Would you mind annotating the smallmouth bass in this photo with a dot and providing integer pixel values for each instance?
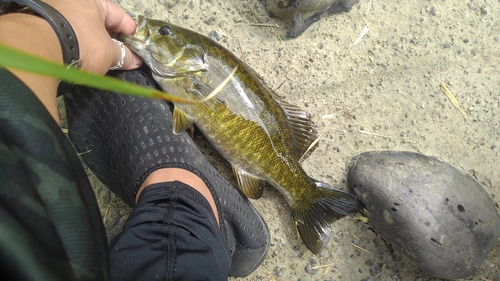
(262, 136)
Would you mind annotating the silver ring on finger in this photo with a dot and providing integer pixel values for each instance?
(122, 59)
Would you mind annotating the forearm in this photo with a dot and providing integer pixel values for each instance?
(94, 22)
(34, 35)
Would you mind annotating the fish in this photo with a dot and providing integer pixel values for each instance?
(262, 136)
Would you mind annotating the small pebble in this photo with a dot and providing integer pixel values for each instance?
(263, 19)
(210, 20)
(311, 270)
(278, 271)
(395, 276)
(433, 11)
(447, 45)
(376, 270)
(215, 35)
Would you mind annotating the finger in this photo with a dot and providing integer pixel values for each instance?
(116, 20)
(132, 60)
(124, 59)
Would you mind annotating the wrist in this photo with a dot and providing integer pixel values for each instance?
(62, 28)
(34, 35)
(31, 34)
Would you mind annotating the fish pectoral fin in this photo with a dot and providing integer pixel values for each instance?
(302, 128)
(202, 90)
(205, 91)
(250, 185)
(182, 121)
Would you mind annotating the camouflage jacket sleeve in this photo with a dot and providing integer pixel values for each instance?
(50, 225)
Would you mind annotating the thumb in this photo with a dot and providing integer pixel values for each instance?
(124, 58)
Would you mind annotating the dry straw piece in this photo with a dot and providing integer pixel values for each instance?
(454, 101)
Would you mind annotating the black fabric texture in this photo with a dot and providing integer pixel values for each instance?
(50, 224)
(170, 235)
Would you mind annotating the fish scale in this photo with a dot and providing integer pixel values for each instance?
(262, 136)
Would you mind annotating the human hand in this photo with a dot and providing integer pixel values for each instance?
(95, 22)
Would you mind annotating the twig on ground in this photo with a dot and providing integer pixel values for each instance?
(369, 6)
(320, 266)
(265, 24)
(361, 34)
(328, 269)
(258, 45)
(372, 134)
(358, 247)
(453, 100)
(106, 213)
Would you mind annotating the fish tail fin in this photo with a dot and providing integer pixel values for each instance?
(313, 223)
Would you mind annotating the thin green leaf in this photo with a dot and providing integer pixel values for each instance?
(16, 59)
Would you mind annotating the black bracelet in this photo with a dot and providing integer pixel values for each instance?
(64, 31)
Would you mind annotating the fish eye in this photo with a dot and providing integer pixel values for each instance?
(165, 30)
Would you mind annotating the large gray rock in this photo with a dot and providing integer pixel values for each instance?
(434, 214)
(305, 12)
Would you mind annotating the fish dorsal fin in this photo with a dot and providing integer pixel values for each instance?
(250, 185)
(182, 121)
(302, 128)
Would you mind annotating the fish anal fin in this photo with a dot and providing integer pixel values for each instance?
(313, 222)
(181, 120)
(250, 185)
(303, 130)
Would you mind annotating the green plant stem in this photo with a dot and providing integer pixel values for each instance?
(13, 58)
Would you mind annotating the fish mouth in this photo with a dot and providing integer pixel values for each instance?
(132, 42)
(141, 23)
(139, 39)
